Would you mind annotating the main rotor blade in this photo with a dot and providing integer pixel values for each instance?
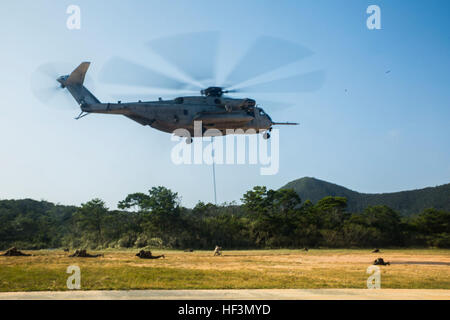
(306, 82)
(273, 105)
(195, 54)
(151, 95)
(265, 55)
(123, 72)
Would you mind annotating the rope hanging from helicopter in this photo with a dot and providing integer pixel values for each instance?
(214, 169)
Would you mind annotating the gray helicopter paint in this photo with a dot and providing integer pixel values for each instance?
(214, 110)
(169, 115)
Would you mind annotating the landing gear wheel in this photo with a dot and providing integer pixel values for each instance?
(266, 135)
(189, 140)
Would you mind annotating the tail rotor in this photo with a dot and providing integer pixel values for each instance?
(48, 83)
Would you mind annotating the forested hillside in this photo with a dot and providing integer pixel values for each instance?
(266, 219)
(406, 202)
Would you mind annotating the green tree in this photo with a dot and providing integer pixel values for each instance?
(138, 200)
(434, 227)
(90, 220)
(331, 212)
(160, 214)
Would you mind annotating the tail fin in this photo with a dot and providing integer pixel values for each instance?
(74, 83)
(77, 75)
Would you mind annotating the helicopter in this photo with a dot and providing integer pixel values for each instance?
(212, 108)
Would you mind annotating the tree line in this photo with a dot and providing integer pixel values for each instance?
(265, 219)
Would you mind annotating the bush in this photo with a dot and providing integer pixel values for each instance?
(440, 240)
(155, 243)
(141, 241)
(127, 241)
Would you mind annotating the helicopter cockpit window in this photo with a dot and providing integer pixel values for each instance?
(179, 100)
(261, 112)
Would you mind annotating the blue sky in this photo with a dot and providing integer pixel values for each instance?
(363, 129)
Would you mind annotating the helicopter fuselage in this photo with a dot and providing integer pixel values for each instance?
(220, 113)
(212, 110)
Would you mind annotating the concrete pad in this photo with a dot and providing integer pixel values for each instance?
(243, 294)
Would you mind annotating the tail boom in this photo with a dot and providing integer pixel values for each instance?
(74, 83)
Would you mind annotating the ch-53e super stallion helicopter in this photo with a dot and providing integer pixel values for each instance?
(212, 108)
(194, 55)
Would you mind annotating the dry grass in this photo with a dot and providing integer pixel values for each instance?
(46, 270)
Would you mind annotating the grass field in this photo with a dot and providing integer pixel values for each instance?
(262, 269)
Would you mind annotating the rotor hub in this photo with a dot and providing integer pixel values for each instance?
(213, 92)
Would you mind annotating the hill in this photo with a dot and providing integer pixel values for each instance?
(405, 202)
